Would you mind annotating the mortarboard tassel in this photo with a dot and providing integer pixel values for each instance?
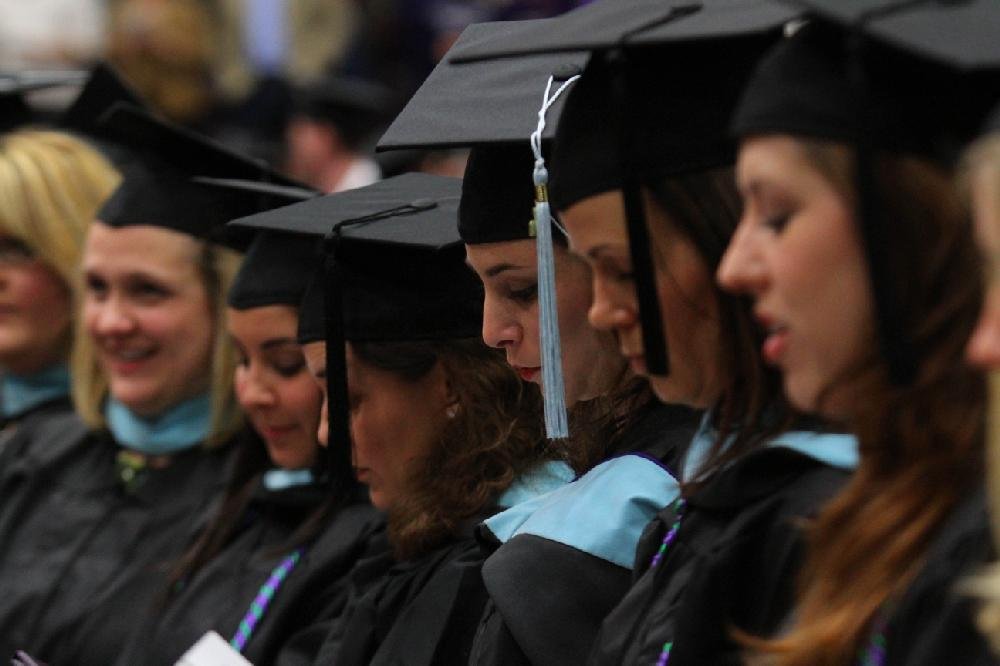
(553, 389)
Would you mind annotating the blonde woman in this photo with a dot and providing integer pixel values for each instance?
(51, 184)
(152, 382)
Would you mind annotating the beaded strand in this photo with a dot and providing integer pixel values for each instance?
(671, 534)
(260, 603)
(665, 654)
(874, 653)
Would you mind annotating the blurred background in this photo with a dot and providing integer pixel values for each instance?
(307, 85)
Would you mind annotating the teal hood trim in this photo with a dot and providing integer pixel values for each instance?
(603, 513)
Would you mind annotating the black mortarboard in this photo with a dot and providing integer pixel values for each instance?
(487, 102)
(394, 270)
(14, 110)
(608, 24)
(960, 34)
(275, 271)
(104, 88)
(161, 182)
(356, 107)
(498, 194)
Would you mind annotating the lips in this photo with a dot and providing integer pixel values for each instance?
(125, 361)
(638, 363)
(528, 374)
(275, 431)
(776, 339)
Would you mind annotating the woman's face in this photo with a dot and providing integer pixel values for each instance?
(394, 422)
(984, 345)
(273, 385)
(35, 309)
(797, 253)
(147, 310)
(509, 271)
(687, 299)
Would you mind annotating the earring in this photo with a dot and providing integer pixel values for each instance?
(451, 411)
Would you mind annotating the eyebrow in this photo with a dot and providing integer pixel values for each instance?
(278, 342)
(493, 271)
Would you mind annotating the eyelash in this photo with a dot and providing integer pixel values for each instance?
(525, 295)
(777, 223)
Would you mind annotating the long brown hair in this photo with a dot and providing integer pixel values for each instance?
(495, 436)
(921, 445)
(751, 409)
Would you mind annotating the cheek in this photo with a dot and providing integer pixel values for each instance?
(301, 398)
(40, 293)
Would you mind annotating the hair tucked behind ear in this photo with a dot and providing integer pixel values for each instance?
(496, 435)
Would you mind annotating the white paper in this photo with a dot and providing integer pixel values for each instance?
(212, 650)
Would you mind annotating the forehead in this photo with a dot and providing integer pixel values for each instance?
(596, 220)
(140, 248)
(513, 254)
(986, 207)
(264, 323)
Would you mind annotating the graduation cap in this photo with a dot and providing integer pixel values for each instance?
(103, 89)
(394, 270)
(276, 270)
(176, 178)
(355, 106)
(14, 110)
(863, 76)
(610, 24)
(960, 34)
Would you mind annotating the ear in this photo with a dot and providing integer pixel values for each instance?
(448, 394)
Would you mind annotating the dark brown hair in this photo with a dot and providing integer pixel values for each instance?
(495, 436)
(705, 208)
(921, 445)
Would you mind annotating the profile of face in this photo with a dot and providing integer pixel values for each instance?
(684, 288)
(797, 253)
(35, 307)
(148, 312)
(273, 385)
(984, 345)
(509, 272)
(394, 421)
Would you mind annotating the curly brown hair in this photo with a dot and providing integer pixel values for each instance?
(495, 437)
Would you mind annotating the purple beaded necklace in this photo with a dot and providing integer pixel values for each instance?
(263, 599)
(874, 652)
(668, 539)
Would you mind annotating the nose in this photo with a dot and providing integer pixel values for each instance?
(611, 309)
(113, 317)
(741, 269)
(500, 330)
(252, 390)
(983, 348)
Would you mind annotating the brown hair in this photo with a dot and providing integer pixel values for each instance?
(921, 445)
(495, 436)
(705, 207)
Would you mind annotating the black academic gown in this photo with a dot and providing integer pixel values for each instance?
(733, 563)
(17, 433)
(548, 598)
(219, 594)
(78, 529)
(932, 623)
(417, 612)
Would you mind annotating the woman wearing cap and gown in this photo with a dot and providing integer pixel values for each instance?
(152, 379)
(720, 554)
(280, 514)
(625, 447)
(443, 431)
(887, 553)
(51, 184)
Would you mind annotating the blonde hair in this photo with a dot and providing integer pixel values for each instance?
(51, 184)
(983, 160)
(218, 267)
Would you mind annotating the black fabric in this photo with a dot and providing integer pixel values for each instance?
(498, 194)
(355, 107)
(14, 109)
(482, 103)
(219, 594)
(275, 271)
(932, 623)
(962, 34)
(422, 611)
(669, 133)
(548, 599)
(803, 87)
(71, 531)
(607, 24)
(732, 563)
(104, 88)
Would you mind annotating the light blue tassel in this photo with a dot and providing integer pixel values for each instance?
(553, 389)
